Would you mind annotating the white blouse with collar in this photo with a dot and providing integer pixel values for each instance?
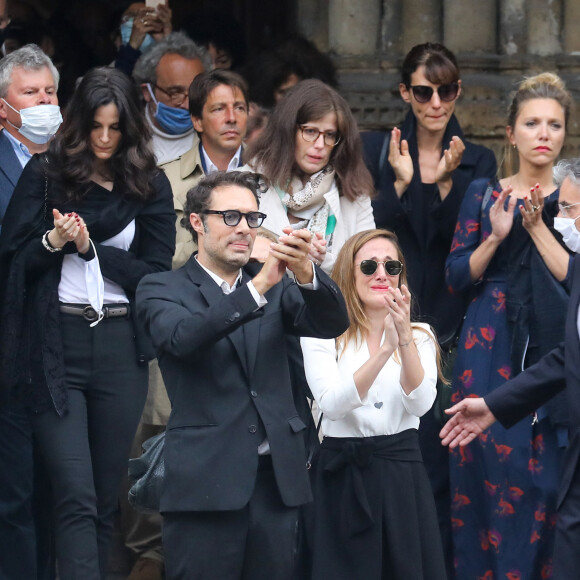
(386, 409)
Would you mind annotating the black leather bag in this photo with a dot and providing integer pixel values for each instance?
(147, 473)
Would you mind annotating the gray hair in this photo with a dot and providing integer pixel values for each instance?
(179, 43)
(29, 57)
(569, 168)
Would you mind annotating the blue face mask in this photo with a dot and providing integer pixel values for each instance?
(127, 27)
(172, 120)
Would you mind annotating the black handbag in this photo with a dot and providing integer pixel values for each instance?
(147, 474)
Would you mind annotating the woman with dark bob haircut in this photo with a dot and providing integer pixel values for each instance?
(421, 171)
(374, 514)
(310, 152)
(86, 222)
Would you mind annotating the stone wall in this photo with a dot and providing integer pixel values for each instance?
(497, 42)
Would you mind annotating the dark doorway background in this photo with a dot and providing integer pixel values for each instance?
(263, 21)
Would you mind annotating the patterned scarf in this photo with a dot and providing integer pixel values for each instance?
(307, 202)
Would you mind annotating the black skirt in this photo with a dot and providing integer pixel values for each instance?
(373, 516)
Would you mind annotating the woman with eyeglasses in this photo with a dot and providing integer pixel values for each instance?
(310, 153)
(86, 222)
(373, 511)
(505, 253)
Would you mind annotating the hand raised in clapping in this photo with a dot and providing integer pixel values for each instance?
(400, 161)
(501, 217)
(532, 208)
(69, 227)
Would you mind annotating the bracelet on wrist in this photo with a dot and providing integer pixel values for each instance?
(405, 343)
(47, 245)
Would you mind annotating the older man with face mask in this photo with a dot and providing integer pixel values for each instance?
(29, 113)
(165, 72)
(29, 117)
(567, 174)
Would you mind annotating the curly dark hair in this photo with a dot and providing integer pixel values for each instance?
(71, 157)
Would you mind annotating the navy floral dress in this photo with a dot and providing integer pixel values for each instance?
(504, 484)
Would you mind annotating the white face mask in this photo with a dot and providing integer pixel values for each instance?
(570, 235)
(39, 123)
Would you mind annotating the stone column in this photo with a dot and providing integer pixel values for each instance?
(512, 27)
(391, 29)
(571, 27)
(421, 22)
(312, 19)
(469, 25)
(544, 26)
(353, 27)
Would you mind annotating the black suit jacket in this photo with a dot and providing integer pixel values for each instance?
(225, 365)
(10, 170)
(425, 230)
(558, 370)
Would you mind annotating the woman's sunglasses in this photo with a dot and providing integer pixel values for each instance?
(392, 267)
(447, 93)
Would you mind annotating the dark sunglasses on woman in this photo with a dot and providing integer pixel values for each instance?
(447, 93)
(392, 267)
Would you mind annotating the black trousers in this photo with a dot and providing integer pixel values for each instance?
(86, 450)
(567, 543)
(257, 542)
(25, 511)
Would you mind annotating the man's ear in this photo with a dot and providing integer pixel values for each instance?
(146, 92)
(3, 110)
(196, 223)
(197, 123)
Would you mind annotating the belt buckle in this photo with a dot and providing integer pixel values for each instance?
(90, 314)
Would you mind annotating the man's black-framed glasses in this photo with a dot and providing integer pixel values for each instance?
(176, 95)
(392, 267)
(232, 217)
(447, 93)
(311, 134)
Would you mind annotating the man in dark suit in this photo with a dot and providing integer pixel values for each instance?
(558, 370)
(28, 83)
(234, 451)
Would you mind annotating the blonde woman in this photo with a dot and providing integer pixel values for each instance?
(374, 513)
(503, 250)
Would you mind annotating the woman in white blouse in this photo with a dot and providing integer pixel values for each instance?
(311, 154)
(374, 514)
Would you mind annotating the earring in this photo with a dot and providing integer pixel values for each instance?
(515, 147)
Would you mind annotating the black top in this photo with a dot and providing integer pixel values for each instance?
(31, 358)
(425, 227)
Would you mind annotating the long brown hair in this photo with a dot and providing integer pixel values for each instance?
(343, 273)
(274, 152)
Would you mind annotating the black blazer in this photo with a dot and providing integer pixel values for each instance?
(10, 170)
(425, 231)
(558, 370)
(225, 366)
